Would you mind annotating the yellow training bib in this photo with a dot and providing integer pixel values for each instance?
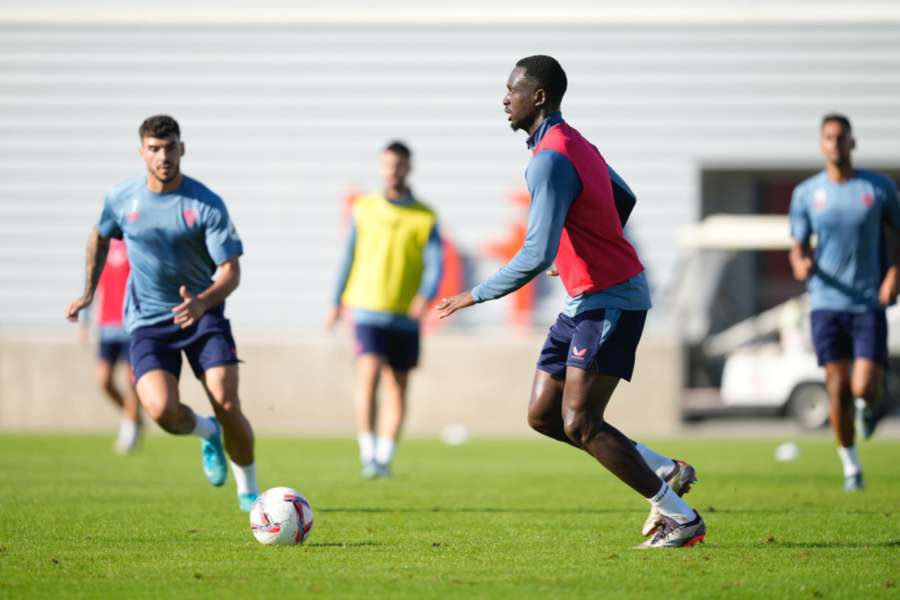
(388, 260)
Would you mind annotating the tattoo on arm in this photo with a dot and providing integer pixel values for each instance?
(95, 260)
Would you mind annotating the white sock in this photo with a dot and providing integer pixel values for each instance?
(850, 460)
(245, 477)
(204, 427)
(671, 505)
(384, 450)
(129, 431)
(366, 442)
(659, 464)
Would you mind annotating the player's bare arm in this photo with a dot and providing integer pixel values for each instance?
(95, 259)
(333, 316)
(227, 280)
(801, 261)
(888, 290)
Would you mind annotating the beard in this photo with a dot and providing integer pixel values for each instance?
(175, 172)
(524, 123)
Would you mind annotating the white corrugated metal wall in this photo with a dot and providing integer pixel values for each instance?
(282, 121)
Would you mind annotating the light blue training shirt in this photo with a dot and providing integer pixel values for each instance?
(847, 219)
(173, 239)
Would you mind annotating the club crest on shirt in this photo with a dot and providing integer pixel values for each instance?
(134, 213)
(868, 199)
(190, 216)
(820, 199)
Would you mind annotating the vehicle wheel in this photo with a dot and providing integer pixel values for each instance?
(808, 405)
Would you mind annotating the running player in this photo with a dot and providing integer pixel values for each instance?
(390, 273)
(850, 282)
(178, 234)
(113, 344)
(574, 220)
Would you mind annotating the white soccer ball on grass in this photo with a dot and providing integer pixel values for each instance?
(281, 515)
(787, 452)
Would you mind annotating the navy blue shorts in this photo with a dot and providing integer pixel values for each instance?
(207, 343)
(839, 335)
(399, 348)
(603, 341)
(112, 351)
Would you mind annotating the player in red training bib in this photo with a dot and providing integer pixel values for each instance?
(578, 207)
(113, 344)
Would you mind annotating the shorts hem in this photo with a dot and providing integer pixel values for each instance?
(559, 376)
(138, 374)
(215, 363)
(595, 368)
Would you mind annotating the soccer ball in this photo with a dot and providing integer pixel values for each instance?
(281, 516)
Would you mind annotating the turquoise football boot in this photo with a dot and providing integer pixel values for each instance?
(865, 419)
(214, 466)
(246, 501)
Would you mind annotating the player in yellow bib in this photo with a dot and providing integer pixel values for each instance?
(390, 273)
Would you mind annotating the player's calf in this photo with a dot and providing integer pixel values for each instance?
(545, 407)
(221, 384)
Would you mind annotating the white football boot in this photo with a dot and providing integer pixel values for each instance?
(680, 480)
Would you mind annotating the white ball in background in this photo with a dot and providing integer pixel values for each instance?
(455, 435)
(787, 452)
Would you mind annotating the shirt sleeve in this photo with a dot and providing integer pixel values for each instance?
(801, 228)
(222, 239)
(434, 265)
(624, 197)
(553, 184)
(891, 204)
(346, 265)
(108, 225)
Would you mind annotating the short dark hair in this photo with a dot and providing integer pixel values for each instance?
(837, 118)
(399, 148)
(159, 126)
(549, 75)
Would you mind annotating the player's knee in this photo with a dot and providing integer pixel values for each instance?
(582, 429)
(368, 366)
(538, 423)
(575, 426)
(838, 388)
(165, 414)
(863, 389)
(108, 386)
(104, 378)
(539, 420)
(224, 403)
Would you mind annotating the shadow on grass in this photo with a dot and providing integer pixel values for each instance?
(585, 511)
(343, 544)
(549, 511)
(829, 545)
(805, 508)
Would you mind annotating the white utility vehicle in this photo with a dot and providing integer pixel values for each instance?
(766, 362)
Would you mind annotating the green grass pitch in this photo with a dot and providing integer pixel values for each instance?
(490, 519)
